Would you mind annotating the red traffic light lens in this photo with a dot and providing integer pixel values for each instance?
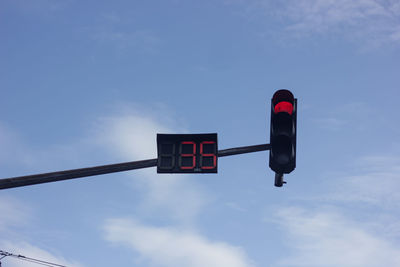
(284, 107)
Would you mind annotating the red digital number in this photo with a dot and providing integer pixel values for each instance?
(187, 155)
(202, 155)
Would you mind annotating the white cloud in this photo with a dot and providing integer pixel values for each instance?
(326, 238)
(372, 21)
(322, 15)
(353, 222)
(331, 123)
(13, 150)
(110, 31)
(379, 163)
(18, 154)
(15, 215)
(13, 212)
(235, 206)
(166, 246)
(378, 189)
(143, 40)
(30, 251)
(356, 115)
(132, 136)
(127, 135)
(376, 183)
(40, 8)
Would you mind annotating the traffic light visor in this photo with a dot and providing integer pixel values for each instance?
(283, 95)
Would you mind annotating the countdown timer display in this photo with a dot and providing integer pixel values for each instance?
(187, 153)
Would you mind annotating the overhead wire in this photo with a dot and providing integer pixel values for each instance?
(29, 259)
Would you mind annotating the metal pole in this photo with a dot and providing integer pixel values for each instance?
(242, 150)
(104, 169)
(75, 173)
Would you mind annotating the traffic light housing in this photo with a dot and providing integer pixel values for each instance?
(282, 155)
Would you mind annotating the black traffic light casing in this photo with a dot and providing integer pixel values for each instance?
(283, 128)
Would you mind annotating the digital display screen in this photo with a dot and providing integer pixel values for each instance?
(187, 153)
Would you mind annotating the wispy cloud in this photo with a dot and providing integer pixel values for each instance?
(131, 135)
(12, 147)
(168, 246)
(15, 215)
(111, 30)
(235, 206)
(352, 222)
(327, 238)
(143, 40)
(40, 7)
(374, 181)
(31, 251)
(177, 199)
(374, 22)
(18, 152)
(354, 115)
(127, 134)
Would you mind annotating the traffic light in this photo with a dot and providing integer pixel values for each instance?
(282, 155)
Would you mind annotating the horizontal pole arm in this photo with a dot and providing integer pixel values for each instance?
(75, 173)
(243, 150)
(104, 169)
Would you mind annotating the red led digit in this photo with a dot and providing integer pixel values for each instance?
(187, 155)
(202, 155)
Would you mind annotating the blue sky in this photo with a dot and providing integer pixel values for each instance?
(87, 83)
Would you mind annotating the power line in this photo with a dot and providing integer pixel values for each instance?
(28, 259)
